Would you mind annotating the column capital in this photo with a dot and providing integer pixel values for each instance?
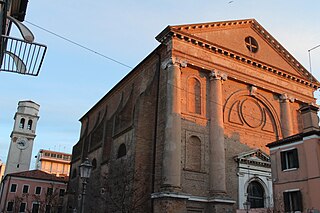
(218, 75)
(286, 98)
(173, 61)
(253, 90)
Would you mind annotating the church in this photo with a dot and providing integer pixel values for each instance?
(186, 130)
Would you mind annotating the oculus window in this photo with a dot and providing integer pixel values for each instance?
(251, 44)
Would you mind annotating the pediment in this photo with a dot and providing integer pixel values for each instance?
(236, 37)
(254, 157)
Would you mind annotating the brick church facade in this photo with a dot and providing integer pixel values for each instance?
(187, 128)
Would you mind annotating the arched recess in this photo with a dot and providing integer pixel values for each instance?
(257, 199)
(94, 164)
(256, 194)
(29, 127)
(74, 173)
(193, 153)
(123, 117)
(251, 109)
(122, 151)
(21, 124)
(194, 95)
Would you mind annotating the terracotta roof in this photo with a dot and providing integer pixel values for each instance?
(38, 174)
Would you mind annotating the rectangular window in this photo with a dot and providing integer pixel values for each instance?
(289, 159)
(35, 207)
(22, 207)
(25, 189)
(38, 190)
(50, 191)
(48, 208)
(10, 206)
(59, 209)
(292, 201)
(13, 187)
(61, 192)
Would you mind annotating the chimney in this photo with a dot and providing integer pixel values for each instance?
(310, 117)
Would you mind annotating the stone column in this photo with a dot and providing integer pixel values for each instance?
(217, 170)
(286, 118)
(171, 164)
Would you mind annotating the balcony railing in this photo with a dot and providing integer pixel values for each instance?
(21, 57)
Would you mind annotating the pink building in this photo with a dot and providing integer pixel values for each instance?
(32, 191)
(295, 166)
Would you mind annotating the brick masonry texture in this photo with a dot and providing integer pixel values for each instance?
(134, 113)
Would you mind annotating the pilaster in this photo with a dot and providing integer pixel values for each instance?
(171, 164)
(286, 115)
(217, 173)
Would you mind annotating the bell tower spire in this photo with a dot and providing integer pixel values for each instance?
(22, 137)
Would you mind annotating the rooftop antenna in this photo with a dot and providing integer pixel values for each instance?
(310, 59)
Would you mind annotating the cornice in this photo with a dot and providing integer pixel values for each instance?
(176, 32)
(211, 25)
(293, 138)
(283, 52)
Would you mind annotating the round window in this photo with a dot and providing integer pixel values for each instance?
(251, 44)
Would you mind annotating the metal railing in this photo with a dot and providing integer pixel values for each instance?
(21, 57)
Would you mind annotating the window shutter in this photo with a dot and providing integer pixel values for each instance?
(283, 160)
(296, 158)
(286, 201)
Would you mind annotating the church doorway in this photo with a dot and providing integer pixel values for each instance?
(256, 194)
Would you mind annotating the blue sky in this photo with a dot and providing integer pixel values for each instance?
(72, 79)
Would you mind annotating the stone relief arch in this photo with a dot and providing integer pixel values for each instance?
(250, 109)
(266, 191)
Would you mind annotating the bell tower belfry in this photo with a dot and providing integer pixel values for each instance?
(22, 137)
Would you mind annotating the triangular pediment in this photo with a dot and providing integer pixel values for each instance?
(254, 157)
(245, 38)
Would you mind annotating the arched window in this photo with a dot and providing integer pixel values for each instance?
(29, 125)
(21, 125)
(256, 194)
(74, 173)
(122, 151)
(94, 164)
(193, 151)
(194, 96)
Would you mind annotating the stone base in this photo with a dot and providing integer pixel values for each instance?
(172, 202)
(169, 205)
(220, 208)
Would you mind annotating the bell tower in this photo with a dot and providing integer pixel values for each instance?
(22, 137)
